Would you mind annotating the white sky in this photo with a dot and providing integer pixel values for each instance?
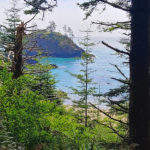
(70, 14)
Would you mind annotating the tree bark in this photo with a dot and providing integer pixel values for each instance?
(86, 94)
(17, 65)
(139, 111)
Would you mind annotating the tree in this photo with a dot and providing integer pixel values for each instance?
(45, 83)
(86, 88)
(139, 121)
(117, 100)
(52, 26)
(65, 29)
(12, 39)
(40, 5)
(12, 36)
(70, 32)
(8, 32)
(139, 69)
(37, 5)
(18, 32)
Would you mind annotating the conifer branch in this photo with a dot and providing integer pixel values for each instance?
(115, 5)
(31, 27)
(115, 49)
(122, 81)
(2, 26)
(118, 109)
(109, 116)
(93, 3)
(111, 24)
(118, 104)
(118, 25)
(119, 70)
(38, 5)
(30, 19)
(113, 129)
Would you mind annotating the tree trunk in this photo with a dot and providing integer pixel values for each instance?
(17, 66)
(86, 94)
(139, 113)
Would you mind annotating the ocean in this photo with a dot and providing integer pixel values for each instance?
(102, 75)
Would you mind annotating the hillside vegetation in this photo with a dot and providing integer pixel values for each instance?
(55, 44)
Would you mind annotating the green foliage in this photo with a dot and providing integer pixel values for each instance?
(33, 121)
(32, 108)
(24, 111)
(86, 85)
(6, 140)
(8, 32)
(40, 5)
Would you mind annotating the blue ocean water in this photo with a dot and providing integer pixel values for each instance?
(104, 71)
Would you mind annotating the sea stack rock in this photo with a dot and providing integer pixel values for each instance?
(55, 44)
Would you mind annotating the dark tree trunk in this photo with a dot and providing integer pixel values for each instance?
(86, 94)
(139, 114)
(17, 66)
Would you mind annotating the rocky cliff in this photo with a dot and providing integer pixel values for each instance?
(56, 45)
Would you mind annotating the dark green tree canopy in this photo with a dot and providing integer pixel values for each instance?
(40, 5)
(91, 5)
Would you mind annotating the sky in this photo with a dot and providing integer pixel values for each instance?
(68, 13)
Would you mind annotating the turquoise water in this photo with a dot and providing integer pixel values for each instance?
(103, 70)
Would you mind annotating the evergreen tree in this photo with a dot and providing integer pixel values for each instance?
(65, 29)
(139, 110)
(85, 88)
(70, 33)
(52, 26)
(8, 32)
(139, 68)
(117, 99)
(13, 39)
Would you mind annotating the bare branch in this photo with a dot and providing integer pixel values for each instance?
(109, 116)
(120, 71)
(114, 130)
(31, 26)
(115, 49)
(32, 30)
(122, 81)
(119, 107)
(118, 104)
(30, 19)
(3, 26)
